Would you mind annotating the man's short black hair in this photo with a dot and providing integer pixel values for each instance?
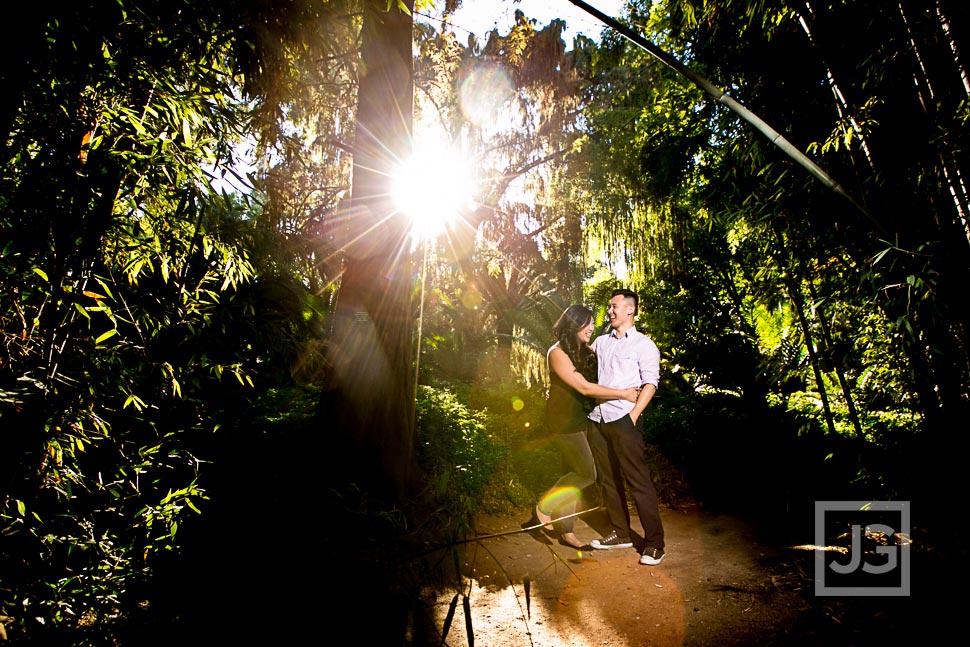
(628, 294)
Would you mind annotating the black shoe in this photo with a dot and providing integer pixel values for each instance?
(534, 527)
(652, 556)
(585, 548)
(612, 540)
(569, 544)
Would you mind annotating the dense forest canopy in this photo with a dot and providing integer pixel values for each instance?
(159, 324)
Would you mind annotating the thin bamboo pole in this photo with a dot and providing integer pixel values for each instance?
(776, 138)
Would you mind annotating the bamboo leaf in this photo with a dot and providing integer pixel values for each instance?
(454, 556)
(527, 586)
(466, 606)
(136, 124)
(41, 273)
(187, 132)
(448, 618)
(104, 286)
(106, 335)
(134, 401)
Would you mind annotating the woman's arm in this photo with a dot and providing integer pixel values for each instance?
(560, 363)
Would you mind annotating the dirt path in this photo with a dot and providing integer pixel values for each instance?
(716, 586)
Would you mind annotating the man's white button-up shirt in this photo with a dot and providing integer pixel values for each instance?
(631, 359)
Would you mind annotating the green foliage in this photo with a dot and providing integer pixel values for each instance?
(486, 453)
(776, 303)
(887, 435)
(139, 314)
(144, 316)
(514, 417)
(456, 452)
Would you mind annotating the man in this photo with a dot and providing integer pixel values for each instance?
(626, 358)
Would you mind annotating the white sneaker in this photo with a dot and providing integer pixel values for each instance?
(652, 556)
(610, 541)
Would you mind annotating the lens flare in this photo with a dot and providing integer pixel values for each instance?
(483, 95)
(472, 298)
(557, 498)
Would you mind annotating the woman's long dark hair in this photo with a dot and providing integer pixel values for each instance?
(571, 321)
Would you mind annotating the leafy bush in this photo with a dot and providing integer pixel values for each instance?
(515, 415)
(455, 451)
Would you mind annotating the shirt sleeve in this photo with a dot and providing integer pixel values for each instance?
(649, 363)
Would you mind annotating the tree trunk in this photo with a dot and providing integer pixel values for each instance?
(369, 399)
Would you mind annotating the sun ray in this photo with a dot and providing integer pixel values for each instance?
(434, 187)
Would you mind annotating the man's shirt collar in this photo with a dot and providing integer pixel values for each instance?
(614, 334)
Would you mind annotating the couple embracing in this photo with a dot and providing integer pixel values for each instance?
(597, 395)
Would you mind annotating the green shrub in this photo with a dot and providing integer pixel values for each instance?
(455, 451)
(514, 416)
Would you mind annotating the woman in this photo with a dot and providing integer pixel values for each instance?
(572, 376)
